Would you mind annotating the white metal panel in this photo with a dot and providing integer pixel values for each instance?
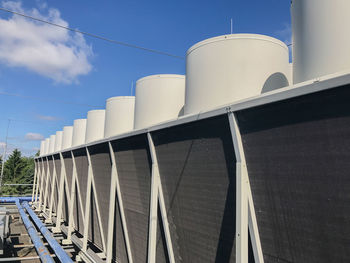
(79, 130)
(158, 98)
(58, 141)
(67, 137)
(320, 39)
(229, 68)
(52, 144)
(119, 115)
(95, 125)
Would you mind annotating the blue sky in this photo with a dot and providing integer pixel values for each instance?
(52, 64)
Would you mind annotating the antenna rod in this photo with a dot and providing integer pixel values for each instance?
(231, 26)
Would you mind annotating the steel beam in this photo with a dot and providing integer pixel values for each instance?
(241, 193)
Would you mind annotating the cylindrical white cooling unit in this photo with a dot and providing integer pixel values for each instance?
(79, 131)
(320, 38)
(67, 137)
(229, 68)
(95, 125)
(159, 98)
(47, 145)
(52, 144)
(119, 115)
(42, 148)
(58, 141)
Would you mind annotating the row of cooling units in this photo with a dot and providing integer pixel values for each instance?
(230, 175)
(223, 70)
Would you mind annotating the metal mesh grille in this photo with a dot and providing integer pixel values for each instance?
(57, 162)
(101, 165)
(197, 169)
(134, 171)
(68, 164)
(162, 252)
(119, 248)
(49, 182)
(94, 234)
(43, 177)
(81, 163)
(298, 156)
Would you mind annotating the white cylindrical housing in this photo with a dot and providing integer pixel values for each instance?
(95, 125)
(52, 144)
(58, 141)
(67, 137)
(79, 131)
(47, 145)
(119, 115)
(159, 98)
(229, 68)
(42, 148)
(320, 38)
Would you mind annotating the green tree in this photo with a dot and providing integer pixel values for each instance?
(18, 170)
(13, 166)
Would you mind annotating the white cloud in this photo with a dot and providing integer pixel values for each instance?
(44, 49)
(47, 118)
(34, 137)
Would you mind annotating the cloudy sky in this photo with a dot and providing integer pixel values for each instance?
(50, 76)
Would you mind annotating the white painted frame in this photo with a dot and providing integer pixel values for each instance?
(157, 197)
(245, 213)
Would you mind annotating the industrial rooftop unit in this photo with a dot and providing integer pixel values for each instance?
(244, 159)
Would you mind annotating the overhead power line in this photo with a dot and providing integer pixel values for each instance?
(94, 35)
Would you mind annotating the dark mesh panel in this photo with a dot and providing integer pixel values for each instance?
(57, 162)
(94, 234)
(162, 251)
(44, 178)
(119, 248)
(65, 211)
(68, 164)
(134, 171)
(101, 165)
(78, 213)
(81, 162)
(197, 169)
(298, 158)
(49, 182)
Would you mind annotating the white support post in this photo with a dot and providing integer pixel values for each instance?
(46, 184)
(152, 234)
(87, 204)
(59, 208)
(241, 193)
(155, 173)
(253, 229)
(34, 181)
(115, 189)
